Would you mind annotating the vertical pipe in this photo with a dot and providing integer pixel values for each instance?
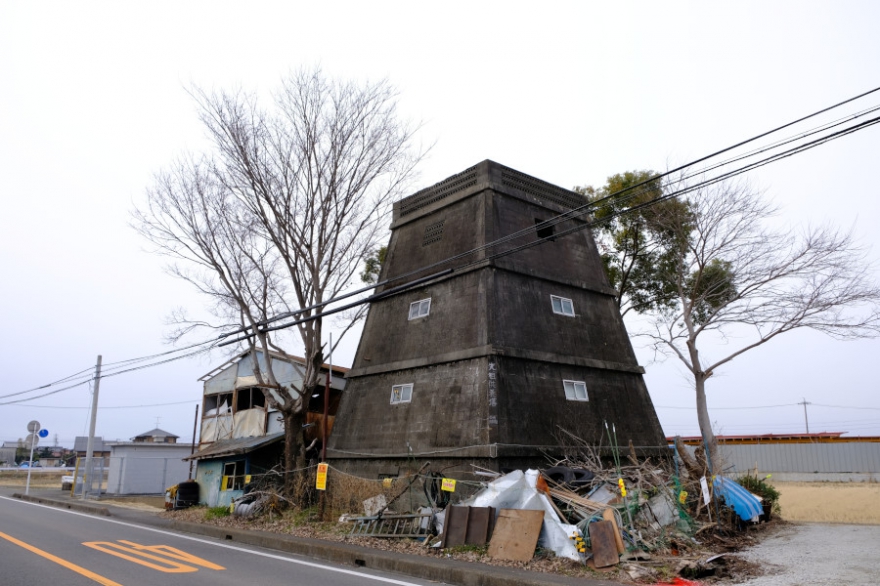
(328, 379)
(91, 443)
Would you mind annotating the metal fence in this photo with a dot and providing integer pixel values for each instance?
(130, 475)
(823, 458)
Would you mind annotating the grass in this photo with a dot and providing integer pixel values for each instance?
(830, 502)
(39, 478)
(216, 512)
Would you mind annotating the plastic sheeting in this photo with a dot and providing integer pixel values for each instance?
(517, 490)
(249, 423)
(746, 505)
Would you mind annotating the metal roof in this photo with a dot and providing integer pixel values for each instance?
(236, 446)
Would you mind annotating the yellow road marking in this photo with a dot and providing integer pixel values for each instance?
(79, 570)
(139, 554)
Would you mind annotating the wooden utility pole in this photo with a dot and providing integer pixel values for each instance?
(193, 449)
(806, 421)
(91, 443)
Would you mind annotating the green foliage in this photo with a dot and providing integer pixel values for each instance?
(216, 513)
(640, 248)
(373, 265)
(763, 489)
(710, 288)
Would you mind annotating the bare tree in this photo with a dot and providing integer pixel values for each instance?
(739, 282)
(298, 195)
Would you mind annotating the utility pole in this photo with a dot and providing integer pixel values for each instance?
(806, 421)
(329, 379)
(91, 443)
(193, 449)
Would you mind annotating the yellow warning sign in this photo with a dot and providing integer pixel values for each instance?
(448, 485)
(321, 479)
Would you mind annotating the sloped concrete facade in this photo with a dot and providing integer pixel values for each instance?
(488, 361)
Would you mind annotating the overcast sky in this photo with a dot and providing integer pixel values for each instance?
(93, 103)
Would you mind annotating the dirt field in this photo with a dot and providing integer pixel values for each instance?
(830, 502)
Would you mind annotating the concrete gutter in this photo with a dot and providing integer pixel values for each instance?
(438, 569)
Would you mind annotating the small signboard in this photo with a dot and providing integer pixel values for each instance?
(321, 479)
(448, 484)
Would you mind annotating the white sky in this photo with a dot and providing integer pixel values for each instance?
(92, 103)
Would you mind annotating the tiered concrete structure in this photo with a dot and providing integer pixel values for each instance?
(509, 348)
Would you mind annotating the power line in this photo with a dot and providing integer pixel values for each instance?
(603, 203)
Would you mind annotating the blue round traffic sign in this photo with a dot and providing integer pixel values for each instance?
(44, 433)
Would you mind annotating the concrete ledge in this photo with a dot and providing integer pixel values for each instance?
(437, 569)
(64, 504)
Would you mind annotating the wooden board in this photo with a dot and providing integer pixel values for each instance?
(608, 515)
(516, 535)
(479, 525)
(603, 544)
(455, 526)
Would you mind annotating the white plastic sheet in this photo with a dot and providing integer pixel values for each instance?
(517, 490)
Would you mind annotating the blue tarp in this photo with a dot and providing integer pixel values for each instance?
(746, 505)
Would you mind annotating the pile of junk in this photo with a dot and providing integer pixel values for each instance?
(590, 508)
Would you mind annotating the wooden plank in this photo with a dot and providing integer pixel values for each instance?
(516, 535)
(455, 526)
(478, 525)
(608, 515)
(603, 545)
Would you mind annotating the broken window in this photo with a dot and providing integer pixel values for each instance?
(562, 306)
(219, 404)
(233, 475)
(419, 309)
(401, 393)
(249, 399)
(575, 390)
(543, 230)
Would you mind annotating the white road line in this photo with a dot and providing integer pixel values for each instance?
(224, 545)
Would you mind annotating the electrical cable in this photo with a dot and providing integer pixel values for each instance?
(119, 367)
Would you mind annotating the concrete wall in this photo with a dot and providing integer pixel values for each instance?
(487, 363)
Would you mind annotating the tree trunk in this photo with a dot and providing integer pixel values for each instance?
(709, 440)
(294, 454)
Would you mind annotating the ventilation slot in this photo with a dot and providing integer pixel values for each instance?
(433, 233)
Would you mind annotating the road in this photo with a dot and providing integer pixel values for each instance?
(47, 545)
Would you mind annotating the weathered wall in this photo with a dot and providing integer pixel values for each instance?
(447, 412)
(489, 361)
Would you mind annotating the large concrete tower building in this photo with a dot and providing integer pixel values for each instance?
(486, 363)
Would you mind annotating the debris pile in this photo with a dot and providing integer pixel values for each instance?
(645, 517)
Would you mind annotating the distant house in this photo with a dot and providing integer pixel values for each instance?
(156, 436)
(99, 449)
(7, 453)
(148, 464)
(241, 434)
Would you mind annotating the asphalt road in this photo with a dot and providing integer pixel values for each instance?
(46, 545)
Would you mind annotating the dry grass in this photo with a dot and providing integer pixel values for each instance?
(39, 478)
(830, 502)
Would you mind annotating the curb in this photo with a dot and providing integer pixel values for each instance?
(73, 506)
(439, 570)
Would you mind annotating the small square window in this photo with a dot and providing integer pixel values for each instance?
(562, 306)
(575, 390)
(401, 393)
(419, 309)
